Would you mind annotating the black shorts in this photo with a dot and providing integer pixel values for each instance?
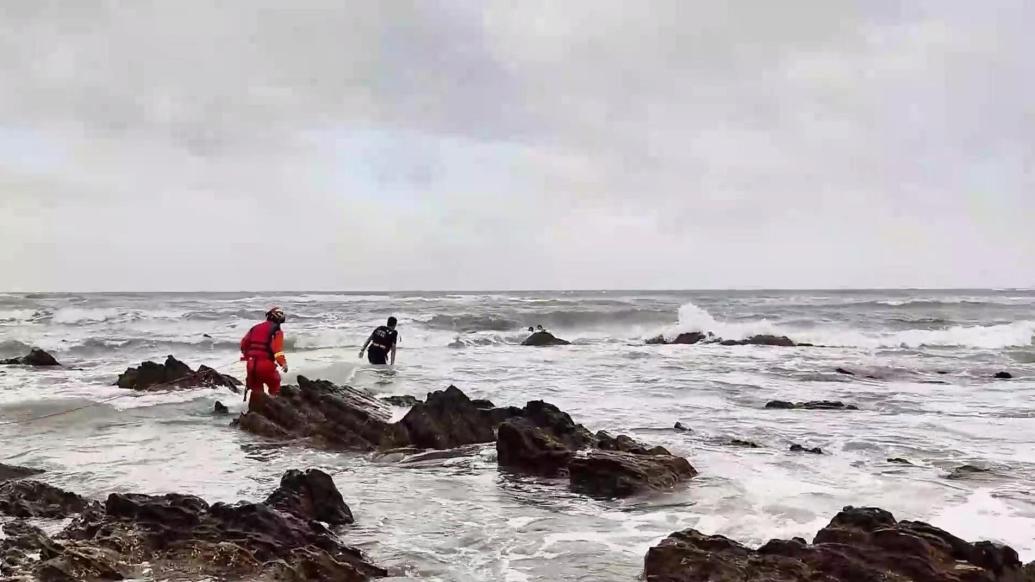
(377, 356)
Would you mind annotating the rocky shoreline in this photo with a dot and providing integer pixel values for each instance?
(181, 536)
(537, 439)
(295, 533)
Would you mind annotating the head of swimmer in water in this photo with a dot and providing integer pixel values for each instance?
(392, 322)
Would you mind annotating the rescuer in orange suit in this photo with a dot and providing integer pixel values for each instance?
(263, 350)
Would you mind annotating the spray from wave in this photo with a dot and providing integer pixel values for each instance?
(1016, 334)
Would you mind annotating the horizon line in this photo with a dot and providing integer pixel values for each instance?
(553, 290)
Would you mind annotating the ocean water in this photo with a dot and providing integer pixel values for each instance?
(931, 400)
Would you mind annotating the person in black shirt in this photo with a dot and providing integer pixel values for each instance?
(382, 342)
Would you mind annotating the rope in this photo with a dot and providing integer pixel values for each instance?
(106, 400)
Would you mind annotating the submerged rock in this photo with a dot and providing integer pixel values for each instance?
(27, 498)
(796, 448)
(811, 405)
(699, 337)
(12, 472)
(966, 471)
(404, 400)
(330, 416)
(220, 409)
(686, 338)
(544, 440)
(762, 340)
(844, 371)
(745, 444)
(682, 427)
(620, 474)
(1003, 376)
(174, 374)
(899, 461)
(859, 545)
(544, 339)
(35, 357)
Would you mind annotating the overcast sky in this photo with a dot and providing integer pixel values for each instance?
(259, 145)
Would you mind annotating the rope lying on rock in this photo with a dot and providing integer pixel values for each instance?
(104, 401)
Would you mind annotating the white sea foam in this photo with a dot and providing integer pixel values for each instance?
(17, 314)
(83, 315)
(1016, 334)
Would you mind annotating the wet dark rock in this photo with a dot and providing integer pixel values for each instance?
(796, 448)
(35, 357)
(762, 340)
(698, 337)
(483, 403)
(686, 338)
(544, 339)
(745, 444)
(523, 446)
(859, 545)
(447, 419)
(899, 461)
(27, 498)
(620, 474)
(12, 472)
(1003, 376)
(174, 375)
(541, 440)
(965, 471)
(544, 440)
(326, 415)
(311, 495)
(626, 444)
(811, 405)
(183, 537)
(690, 338)
(682, 427)
(220, 409)
(844, 371)
(404, 400)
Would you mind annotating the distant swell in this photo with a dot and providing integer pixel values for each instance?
(562, 319)
(1017, 334)
(472, 323)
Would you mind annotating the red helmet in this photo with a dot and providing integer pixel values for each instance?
(276, 315)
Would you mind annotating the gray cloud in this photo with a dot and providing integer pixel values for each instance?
(238, 145)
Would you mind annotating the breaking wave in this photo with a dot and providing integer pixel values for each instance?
(467, 323)
(1016, 334)
(14, 347)
(18, 314)
(83, 315)
(492, 339)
